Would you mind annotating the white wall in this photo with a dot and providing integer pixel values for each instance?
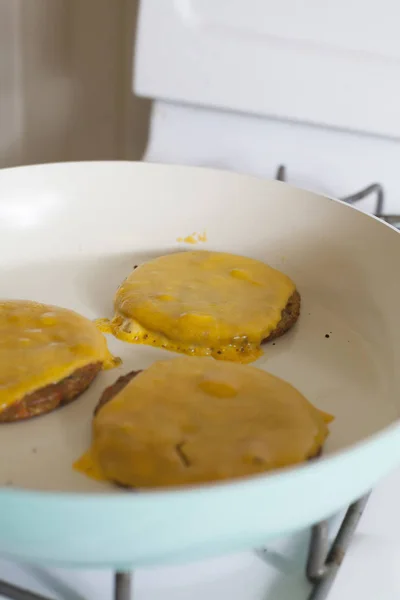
(65, 89)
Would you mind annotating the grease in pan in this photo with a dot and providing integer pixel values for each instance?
(206, 304)
(196, 420)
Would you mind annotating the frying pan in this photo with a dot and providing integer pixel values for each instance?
(70, 233)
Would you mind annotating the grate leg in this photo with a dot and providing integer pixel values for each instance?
(16, 593)
(323, 563)
(122, 585)
(122, 589)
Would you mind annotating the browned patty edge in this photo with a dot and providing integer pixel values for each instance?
(289, 316)
(52, 396)
(111, 391)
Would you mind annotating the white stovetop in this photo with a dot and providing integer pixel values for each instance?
(370, 570)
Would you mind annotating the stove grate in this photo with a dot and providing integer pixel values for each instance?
(323, 561)
(374, 188)
(122, 589)
(322, 565)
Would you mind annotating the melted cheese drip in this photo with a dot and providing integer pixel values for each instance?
(41, 344)
(194, 238)
(201, 303)
(194, 420)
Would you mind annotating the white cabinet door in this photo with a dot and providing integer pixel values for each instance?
(331, 63)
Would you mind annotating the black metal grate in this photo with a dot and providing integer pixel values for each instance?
(374, 188)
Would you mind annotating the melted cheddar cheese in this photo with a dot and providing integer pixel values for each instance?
(194, 238)
(201, 303)
(195, 420)
(41, 344)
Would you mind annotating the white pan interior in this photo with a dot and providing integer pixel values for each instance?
(70, 233)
